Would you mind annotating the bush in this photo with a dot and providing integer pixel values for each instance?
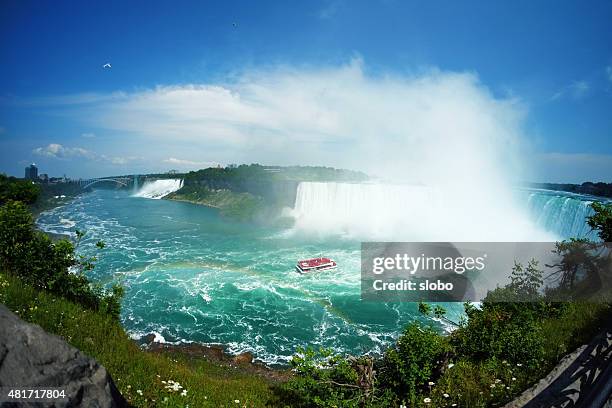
(497, 333)
(13, 189)
(47, 265)
(416, 360)
(324, 380)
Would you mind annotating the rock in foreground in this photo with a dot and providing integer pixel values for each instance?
(31, 358)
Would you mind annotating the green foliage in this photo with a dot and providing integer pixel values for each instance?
(13, 189)
(208, 384)
(47, 265)
(239, 206)
(526, 282)
(496, 332)
(418, 355)
(601, 221)
(240, 176)
(578, 269)
(424, 308)
(507, 326)
(323, 380)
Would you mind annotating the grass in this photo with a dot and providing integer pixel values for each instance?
(142, 377)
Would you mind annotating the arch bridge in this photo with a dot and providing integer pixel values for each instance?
(121, 181)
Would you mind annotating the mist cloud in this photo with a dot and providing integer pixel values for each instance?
(444, 130)
(387, 124)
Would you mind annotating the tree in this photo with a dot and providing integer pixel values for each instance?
(51, 266)
(601, 220)
(13, 189)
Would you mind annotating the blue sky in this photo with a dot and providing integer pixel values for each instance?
(313, 82)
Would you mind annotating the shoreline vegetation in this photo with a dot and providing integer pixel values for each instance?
(497, 352)
(254, 192)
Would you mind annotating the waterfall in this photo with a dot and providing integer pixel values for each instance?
(135, 184)
(418, 213)
(157, 189)
(562, 213)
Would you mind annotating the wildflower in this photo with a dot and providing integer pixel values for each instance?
(139, 392)
(451, 365)
(403, 406)
(513, 378)
(129, 386)
(454, 405)
(427, 400)
(431, 383)
(237, 401)
(507, 387)
(446, 395)
(497, 381)
(492, 385)
(519, 365)
(184, 393)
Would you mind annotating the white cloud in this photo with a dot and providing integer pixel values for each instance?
(579, 89)
(395, 125)
(576, 90)
(330, 9)
(88, 135)
(57, 151)
(64, 100)
(189, 163)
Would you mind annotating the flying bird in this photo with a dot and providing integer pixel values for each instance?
(107, 65)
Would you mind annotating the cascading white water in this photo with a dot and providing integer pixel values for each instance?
(562, 213)
(157, 189)
(417, 213)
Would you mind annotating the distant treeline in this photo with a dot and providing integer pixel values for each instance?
(596, 189)
(275, 184)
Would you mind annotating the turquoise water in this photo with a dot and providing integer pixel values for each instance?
(191, 275)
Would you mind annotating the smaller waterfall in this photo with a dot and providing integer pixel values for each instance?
(157, 189)
(135, 184)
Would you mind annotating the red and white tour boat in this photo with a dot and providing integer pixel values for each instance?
(315, 264)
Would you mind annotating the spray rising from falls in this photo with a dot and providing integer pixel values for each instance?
(409, 212)
(157, 189)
